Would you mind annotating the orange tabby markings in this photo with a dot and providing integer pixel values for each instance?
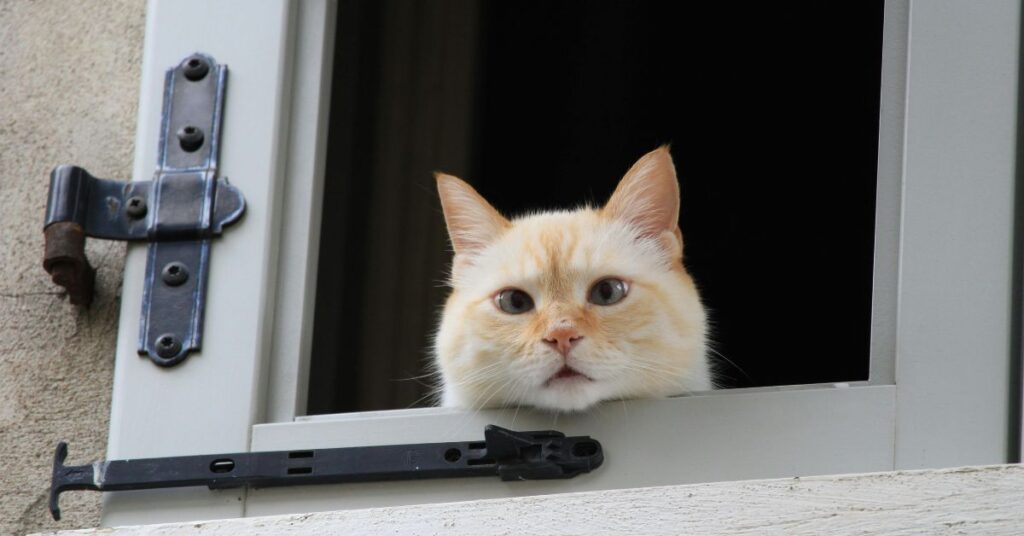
(567, 353)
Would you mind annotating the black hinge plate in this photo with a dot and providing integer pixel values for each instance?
(177, 212)
(542, 455)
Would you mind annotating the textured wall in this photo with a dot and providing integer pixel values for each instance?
(69, 75)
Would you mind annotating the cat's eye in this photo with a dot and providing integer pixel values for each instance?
(608, 291)
(514, 301)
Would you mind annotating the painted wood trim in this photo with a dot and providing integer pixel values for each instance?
(292, 335)
(708, 437)
(949, 410)
(965, 500)
(889, 186)
(954, 324)
(210, 402)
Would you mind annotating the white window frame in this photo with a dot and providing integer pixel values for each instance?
(942, 324)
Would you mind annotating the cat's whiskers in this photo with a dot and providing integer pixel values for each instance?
(485, 402)
(650, 345)
(518, 397)
(479, 384)
(661, 376)
(466, 419)
(730, 361)
(601, 370)
(657, 366)
(434, 394)
(478, 376)
(484, 373)
(434, 373)
(433, 387)
(498, 383)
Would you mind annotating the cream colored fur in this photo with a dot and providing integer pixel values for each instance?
(650, 344)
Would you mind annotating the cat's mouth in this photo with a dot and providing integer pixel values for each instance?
(567, 373)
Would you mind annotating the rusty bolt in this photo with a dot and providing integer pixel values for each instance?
(65, 260)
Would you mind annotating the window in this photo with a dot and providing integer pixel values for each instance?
(942, 307)
(545, 105)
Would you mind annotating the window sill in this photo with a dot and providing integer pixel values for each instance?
(986, 498)
(711, 437)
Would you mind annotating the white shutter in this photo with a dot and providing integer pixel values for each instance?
(942, 329)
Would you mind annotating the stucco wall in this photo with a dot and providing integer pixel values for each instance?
(69, 75)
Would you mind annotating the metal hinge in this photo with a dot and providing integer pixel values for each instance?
(178, 212)
(510, 455)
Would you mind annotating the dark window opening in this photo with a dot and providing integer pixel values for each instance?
(771, 110)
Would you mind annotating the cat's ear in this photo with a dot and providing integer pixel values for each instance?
(648, 197)
(472, 222)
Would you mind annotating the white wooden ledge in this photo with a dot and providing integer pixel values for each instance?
(966, 500)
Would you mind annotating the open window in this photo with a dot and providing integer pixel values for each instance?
(853, 162)
(546, 105)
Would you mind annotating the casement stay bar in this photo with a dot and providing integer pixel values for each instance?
(511, 455)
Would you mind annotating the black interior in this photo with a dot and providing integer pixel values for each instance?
(771, 110)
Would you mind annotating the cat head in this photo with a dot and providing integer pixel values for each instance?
(561, 310)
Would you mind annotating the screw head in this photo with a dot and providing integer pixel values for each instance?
(167, 345)
(195, 68)
(190, 138)
(135, 207)
(175, 273)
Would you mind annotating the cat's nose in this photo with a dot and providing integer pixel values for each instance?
(563, 338)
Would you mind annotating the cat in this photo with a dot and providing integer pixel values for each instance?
(563, 309)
